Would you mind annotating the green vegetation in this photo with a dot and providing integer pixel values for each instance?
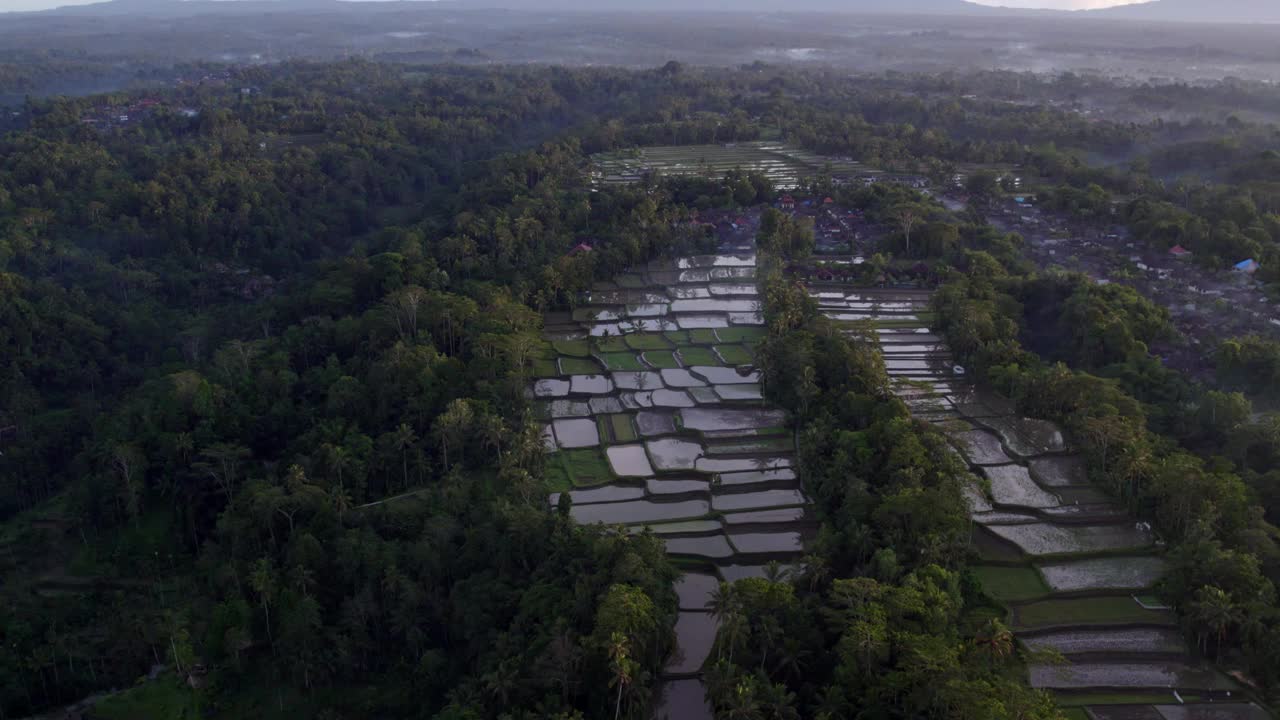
(703, 336)
(1086, 611)
(749, 335)
(647, 341)
(166, 697)
(1008, 584)
(578, 366)
(617, 428)
(734, 354)
(1182, 454)
(573, 348)
(582, 468)
(1149, 698)
(883, 583)
(263, 392)
(623, 361)
(611, 344)
(677, 337)
(698, 356)
(661, 359)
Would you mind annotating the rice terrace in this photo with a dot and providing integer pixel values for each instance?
(783, 164)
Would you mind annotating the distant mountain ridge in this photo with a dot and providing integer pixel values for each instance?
(1209, 11)
(1214, 11)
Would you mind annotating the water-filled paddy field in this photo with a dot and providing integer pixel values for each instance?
(1067, 563)
(785, 165)
(655, 421)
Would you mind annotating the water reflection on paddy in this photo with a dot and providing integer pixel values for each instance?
(739, 393)
(551, 388)
(591, 384)
(682, 700)
(653, 422)
(694, 589)
(672, 399)
(714, 546)
(628, 380)
(696, 632)
(1012, 485)
(629, 461)
(731, 418)
(724, 375)
(673, 453)
(764, 517)
(680, 378)
(763, 543)
(756, 476)
(638, 511)
(759, 499)
(663, 486)
(607, 493)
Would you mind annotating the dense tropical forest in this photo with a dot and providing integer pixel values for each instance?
(265, 349)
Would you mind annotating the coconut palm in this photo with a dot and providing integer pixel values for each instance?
(995, 640)
(622, 667)
(1214, 610)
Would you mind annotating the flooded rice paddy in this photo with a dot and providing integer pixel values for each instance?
(783, 164)
(1073, 558)
(657, 422)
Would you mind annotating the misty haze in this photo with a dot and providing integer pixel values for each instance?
(551, 360)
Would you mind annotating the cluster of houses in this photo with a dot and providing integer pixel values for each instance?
(835, 229)
(1246, 267)
(106, 117)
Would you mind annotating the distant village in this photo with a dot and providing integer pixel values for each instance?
(113, 116)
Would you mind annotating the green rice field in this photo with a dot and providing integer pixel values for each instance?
(1086, 611)
(577, 468)
(734, 354)
(617, 428)
(579, 366)
(740, 334)
(1010, 584)
(622, 361)
(698, 356)
(785, 165)
(647, 341)
(662, 359)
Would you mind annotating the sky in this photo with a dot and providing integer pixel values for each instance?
(24, 5)
(1049, 4)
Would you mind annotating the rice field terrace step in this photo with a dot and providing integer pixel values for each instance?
(1081, 613)
(1129, 676)
(1124, 639)
(1213, 711)
(1123, 712)
(695, 636)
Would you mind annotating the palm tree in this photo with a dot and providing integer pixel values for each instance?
(775, 572)
(995, 640)
(404, 437)
(742, 704)
(790, 659)
(263, 581)
(622, 666)
(733, 630)
(779, 703)
(816, 570)
(1216, 611)
(723, 601)
(339, 461)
